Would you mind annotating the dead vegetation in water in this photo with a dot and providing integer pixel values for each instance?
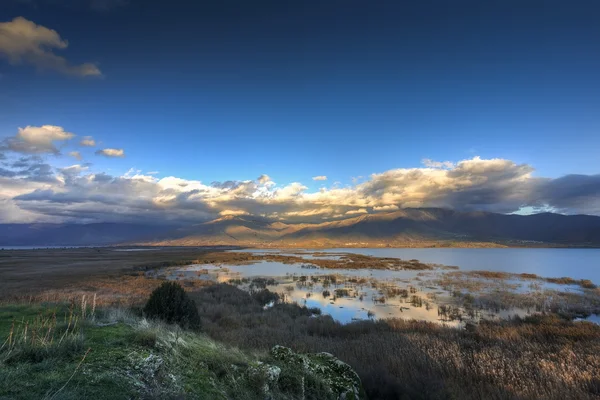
(481, 280)
(495, 293)
(542, 357)
(341, 261)
(473, 281)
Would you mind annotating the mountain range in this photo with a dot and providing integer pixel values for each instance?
(404, 228)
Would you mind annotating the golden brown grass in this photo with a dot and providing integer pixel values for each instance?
(125, 290)
(545, 357)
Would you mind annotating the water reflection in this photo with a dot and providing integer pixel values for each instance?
(436, 295)
(349, 295)
(549, 262)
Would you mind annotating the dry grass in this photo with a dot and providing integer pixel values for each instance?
(125, 290)
(29, 272)
(344, 261)
(490, 274)
(536, 358)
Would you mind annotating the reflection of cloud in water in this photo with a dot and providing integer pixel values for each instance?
(345, 309)
(595, 318)
(425, 286)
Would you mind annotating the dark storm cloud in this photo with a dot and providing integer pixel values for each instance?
(7, 173)
(32, 169)
(571, 193)
(40, 172)
(226, 184)
(25, 162)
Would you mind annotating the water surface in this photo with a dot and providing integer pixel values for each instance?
(550, 263)
(440, 295)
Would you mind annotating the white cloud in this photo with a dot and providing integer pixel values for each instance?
(225, 213)
(111, 152)
(386, 208)
(24, 42)
(73, 193)
(10, 211)
(264, 179)
(437, 164)
(319, 178)
(87, 141)
(76, 155)
(37, 139)
(359, 211)
(74, 169)
(71, 172)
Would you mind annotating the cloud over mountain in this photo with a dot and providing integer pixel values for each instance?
(77, 194)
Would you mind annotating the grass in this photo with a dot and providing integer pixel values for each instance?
(114, 353)
(117, 354)
(543, 357)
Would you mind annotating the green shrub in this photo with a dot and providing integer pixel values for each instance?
(265, 297)
(170, 303)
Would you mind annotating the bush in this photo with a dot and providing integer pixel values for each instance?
(265, 297)
(587, 284)
(170, 303)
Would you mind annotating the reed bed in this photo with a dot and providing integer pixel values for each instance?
(542, 357)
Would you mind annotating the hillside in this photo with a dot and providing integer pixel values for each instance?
(115, 354)
(408, 227)
(401, 228)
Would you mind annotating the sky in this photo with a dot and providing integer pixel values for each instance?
(131, 110)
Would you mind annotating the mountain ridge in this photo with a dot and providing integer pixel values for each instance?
(406, 227)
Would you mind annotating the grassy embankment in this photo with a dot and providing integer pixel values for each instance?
(59, 352)
(543, 357)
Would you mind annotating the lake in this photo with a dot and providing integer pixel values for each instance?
(438, 295)
(550, 263)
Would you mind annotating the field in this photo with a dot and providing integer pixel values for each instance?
(42, 274)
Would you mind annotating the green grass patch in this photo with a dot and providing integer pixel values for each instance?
(53, 352)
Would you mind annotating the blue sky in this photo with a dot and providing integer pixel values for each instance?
(236, 89)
